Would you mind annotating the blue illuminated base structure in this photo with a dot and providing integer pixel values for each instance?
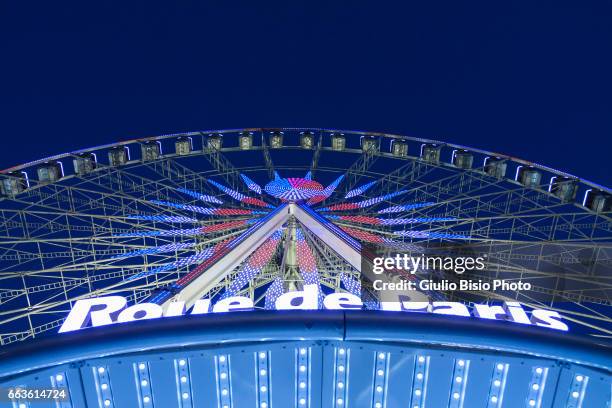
(315, 359)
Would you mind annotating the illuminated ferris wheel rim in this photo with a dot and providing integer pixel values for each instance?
(391, 136)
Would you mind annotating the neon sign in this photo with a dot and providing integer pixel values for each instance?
(107, 310)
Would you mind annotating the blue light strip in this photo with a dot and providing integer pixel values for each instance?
(199, 196)
(360, 190)
(498, 385)
(303, 369)
(143, 382)
(536, 386)
(188, 207)
(163, 218)
(251, 185)
(224, 390)
(401, 221)
(341, 369)
(262, 367)
(156, 250)
(351, 284)
(577, 390)
(183, 383)
(59, 382)
(381, 375)
(419, 381)
(103, 388)
(459, 382)
(430, 235)
(402, 208)
(376, 200)
(273, 292)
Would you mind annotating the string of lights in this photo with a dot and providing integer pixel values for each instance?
(359, 190)
(363, 204)
(199, 196)
(240, 197)
(402, 208)
(251, 185)
(387, 221)
(328, 191)
(156, 250)
(208, 211)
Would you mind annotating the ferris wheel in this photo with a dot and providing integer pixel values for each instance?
(262, 212)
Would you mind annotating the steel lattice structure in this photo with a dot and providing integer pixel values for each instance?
(150, 219)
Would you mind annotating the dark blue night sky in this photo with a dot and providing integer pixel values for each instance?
(530, 79)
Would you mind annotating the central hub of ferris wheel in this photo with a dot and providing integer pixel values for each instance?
(294, 189)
